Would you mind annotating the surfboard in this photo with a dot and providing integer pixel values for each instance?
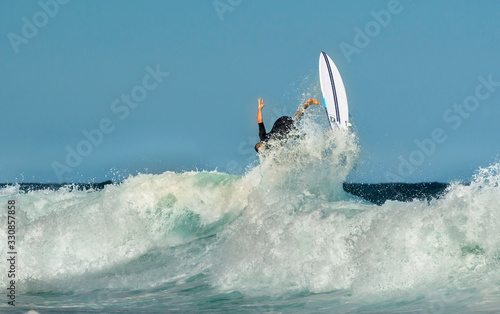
(334, 95)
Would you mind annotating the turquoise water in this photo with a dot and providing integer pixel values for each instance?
(283, 237)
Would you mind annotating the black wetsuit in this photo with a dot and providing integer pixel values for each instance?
(279, 131)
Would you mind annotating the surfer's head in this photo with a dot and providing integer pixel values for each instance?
(259, 147)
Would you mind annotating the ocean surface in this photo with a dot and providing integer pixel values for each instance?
(288, 235)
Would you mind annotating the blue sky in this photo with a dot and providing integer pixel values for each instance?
(408, 68)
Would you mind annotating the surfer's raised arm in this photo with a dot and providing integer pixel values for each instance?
(262, 129)
(310, 101)
(259, 113)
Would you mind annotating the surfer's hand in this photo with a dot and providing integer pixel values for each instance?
(311, 101)
(261, 103)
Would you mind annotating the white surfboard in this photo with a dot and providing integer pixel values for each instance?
(334, 96)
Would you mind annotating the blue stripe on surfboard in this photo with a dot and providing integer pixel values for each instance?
(333, 86)
(326, 110)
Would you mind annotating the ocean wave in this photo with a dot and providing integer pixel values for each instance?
(285, 226)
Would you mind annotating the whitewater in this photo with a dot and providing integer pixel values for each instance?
(282, 237)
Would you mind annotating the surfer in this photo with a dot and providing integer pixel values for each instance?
(281, 127)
